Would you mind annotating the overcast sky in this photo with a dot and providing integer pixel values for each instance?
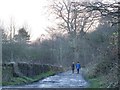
(25, 12)
(31, 13)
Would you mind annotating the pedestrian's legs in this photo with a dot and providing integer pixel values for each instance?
(77, 71)
(72, 70)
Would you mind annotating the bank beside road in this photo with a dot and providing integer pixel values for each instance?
(98, 78)
(24, 73)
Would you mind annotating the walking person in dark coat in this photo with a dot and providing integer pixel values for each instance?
(73, 67)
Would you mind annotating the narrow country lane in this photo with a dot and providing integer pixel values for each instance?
(62, 80)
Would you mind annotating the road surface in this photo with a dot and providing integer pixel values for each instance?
(62, 80)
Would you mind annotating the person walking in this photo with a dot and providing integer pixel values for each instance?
(73, 67)
(78, 67)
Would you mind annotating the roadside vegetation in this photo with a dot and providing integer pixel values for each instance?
(26, 80)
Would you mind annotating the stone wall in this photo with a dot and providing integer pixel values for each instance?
(7, 72)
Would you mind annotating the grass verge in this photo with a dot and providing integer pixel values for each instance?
(26, 80)
(94, 82)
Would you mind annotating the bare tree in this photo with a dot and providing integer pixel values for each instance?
(106, 10)
(11, 37)
(76, 20)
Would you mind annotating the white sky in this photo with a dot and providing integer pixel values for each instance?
(26, 12)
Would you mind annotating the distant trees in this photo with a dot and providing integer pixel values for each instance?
(4, 35)
(22, 36)
(111, 11)
(12, 44)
